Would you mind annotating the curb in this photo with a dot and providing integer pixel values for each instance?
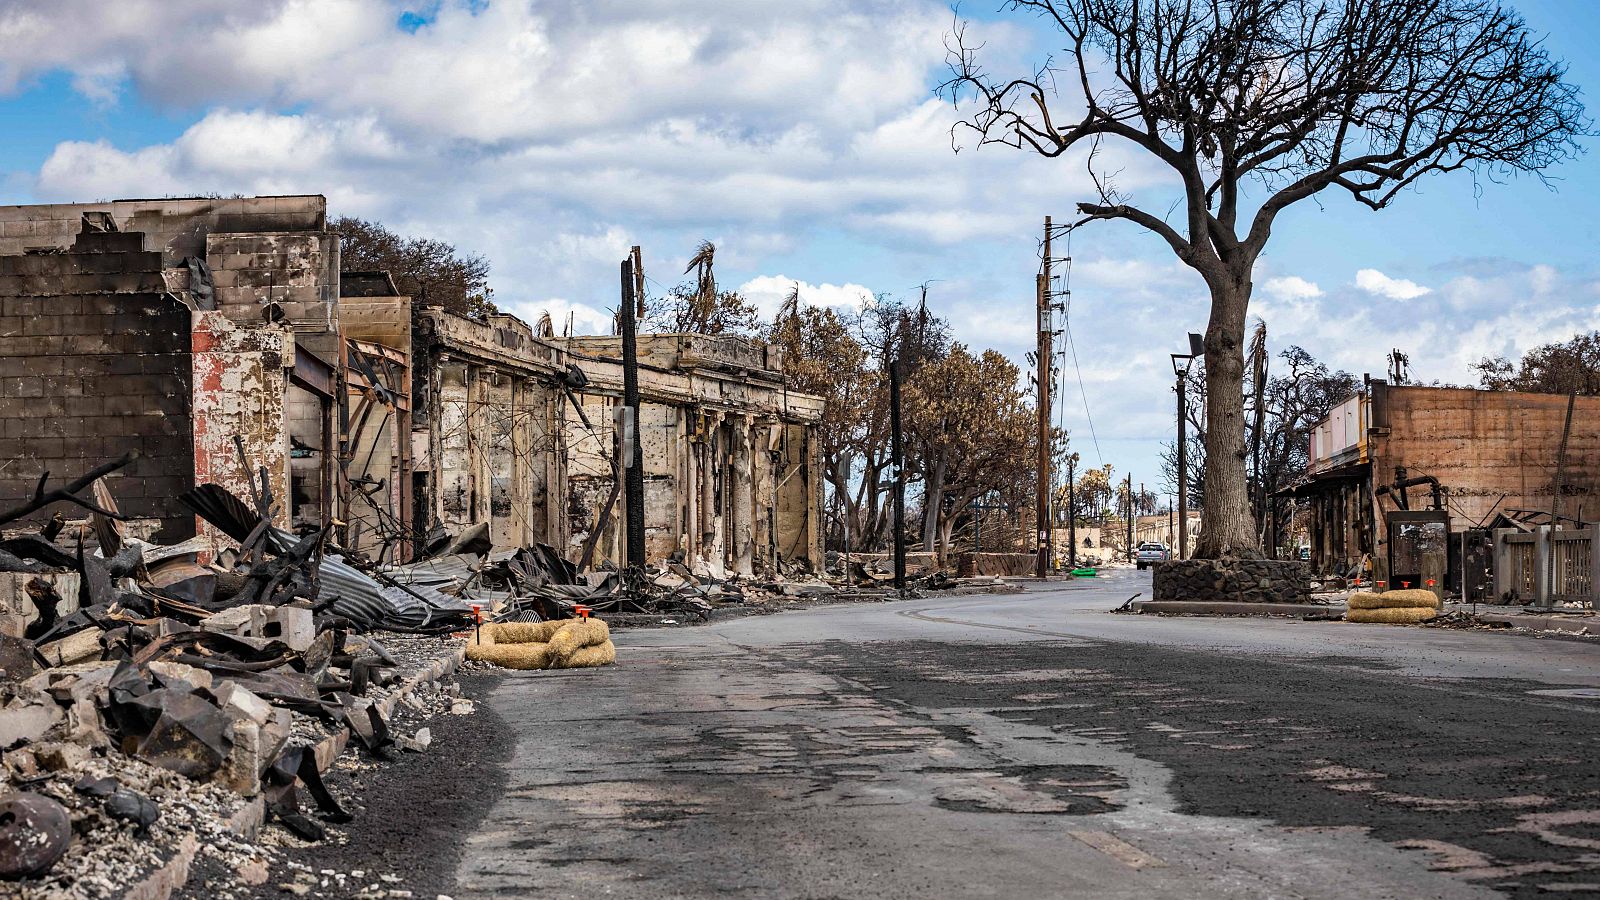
(173, 875)
(1223, 608)
(1569, 625)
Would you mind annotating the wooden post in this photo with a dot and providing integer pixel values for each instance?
(1041, 566)
(897, 461)
(634, 473)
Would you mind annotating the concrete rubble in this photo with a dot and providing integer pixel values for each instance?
(233, 679)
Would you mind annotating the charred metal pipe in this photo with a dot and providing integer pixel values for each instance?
(1401, 482)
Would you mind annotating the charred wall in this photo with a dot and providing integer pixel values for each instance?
(94, 362)
(1491, 449)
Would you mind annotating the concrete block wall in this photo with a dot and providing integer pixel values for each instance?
(94, 361)
(286, 268)
(175, 228)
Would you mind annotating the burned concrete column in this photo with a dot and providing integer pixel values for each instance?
(813, 494)
(688, 485)
(741, 483)
(495, 427)
(711, 491)
(763, 488)
(529, 471)
(452, 457)
(557, 526)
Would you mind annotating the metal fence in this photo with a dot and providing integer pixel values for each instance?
(1546, 566)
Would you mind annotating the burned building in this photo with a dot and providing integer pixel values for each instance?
(220, 340)
(732, 474)
(182, 330)
(1399, 473)
(520, 433)
(488, 430)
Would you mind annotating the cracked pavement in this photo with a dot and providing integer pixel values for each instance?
(1035, 745)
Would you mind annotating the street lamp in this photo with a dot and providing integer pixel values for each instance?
(1180, 367)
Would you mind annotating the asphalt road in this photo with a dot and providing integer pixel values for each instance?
(1036, 745)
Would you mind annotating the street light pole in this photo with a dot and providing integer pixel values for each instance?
(1183, 465)
(1072, 514)
(1180, 367)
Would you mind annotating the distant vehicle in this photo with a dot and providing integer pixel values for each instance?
(1150, 553)
(1305, 553)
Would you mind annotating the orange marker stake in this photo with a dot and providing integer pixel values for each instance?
(477, 623)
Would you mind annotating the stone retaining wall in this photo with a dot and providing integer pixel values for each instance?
(1233, 581)
(969, 565)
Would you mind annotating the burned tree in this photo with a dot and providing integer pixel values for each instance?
(701, 307)
(1259, 104)
(430, 272)
(1570, 367)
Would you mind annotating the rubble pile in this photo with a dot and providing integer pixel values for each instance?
(132, 667)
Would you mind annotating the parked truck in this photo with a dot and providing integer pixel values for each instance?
(1150, 553)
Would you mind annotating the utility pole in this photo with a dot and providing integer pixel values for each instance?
(1042, 493)
(633, 475)
(1072, 517)
(1130, 517)
(897, 462)
(638, 284)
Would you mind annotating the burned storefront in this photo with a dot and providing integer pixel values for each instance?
(519, 432)
(243, 493)
(1401, 477)
(488, 430)
(732, 478)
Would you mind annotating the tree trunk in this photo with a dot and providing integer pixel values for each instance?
(932, 503)
(946, 526)
(1226, 525)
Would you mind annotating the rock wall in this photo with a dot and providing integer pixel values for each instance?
(1233, 581)
(976, 564)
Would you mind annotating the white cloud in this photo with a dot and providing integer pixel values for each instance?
(565, 316)
(1374, 282)
(1291, 287)
(768, 292)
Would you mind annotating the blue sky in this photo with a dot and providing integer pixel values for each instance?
(802, 137)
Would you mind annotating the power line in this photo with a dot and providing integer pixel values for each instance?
(1066, 329)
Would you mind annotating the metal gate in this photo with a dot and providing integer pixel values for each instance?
(1545, 566)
